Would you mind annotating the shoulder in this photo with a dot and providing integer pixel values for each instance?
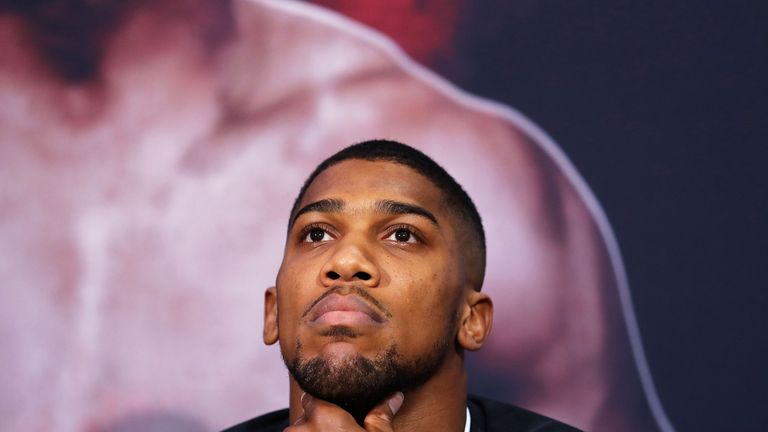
(356, 72)
(492, 416)
(274, 421)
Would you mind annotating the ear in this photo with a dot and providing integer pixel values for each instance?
(475, 321)
(270, 316)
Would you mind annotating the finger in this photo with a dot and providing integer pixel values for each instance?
(298, 424)
(299, 421)
(306, 406)
(323, 415)
(381, 417)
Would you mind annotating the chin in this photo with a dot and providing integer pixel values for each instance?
(341, 375)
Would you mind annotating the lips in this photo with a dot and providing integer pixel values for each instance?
(350, 310)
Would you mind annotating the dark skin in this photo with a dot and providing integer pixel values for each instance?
(411, 260)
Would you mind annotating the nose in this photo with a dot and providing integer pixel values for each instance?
(350, 262)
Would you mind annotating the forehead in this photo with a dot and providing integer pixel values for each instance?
(361, 180)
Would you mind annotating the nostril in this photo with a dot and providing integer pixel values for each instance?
(362, 275)
(333, 275)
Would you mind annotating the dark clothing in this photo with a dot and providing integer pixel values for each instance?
(492, 416)
(487, 416)
(275, 421)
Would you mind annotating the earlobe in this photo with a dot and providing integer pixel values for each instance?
(270, 316)
(475, 321)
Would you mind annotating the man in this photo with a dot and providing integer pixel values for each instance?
(377, 298)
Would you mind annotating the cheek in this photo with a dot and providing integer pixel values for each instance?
(286, 323)
(301, 272)
(428, 305)
(290, 297)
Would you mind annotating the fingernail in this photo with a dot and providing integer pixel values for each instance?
(395, 402)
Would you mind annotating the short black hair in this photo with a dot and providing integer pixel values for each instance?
(456, 199)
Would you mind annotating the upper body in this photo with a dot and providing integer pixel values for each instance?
(378, 296)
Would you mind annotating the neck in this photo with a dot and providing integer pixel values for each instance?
(440, 404)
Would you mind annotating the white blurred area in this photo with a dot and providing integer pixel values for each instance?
(143, 213)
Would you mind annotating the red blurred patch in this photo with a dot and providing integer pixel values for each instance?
(424, 29)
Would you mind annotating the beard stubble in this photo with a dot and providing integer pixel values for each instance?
(357, 383)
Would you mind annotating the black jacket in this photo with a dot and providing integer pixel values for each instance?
(487, 416)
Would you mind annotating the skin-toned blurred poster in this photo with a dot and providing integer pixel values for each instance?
(149, 155)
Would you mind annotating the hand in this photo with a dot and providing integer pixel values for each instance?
(320, 416)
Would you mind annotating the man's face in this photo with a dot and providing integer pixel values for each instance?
(371, 280)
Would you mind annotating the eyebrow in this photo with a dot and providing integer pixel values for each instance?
(322, 206)
(390, 207)
(400, 208)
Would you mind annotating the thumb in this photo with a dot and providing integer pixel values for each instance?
(380, 418)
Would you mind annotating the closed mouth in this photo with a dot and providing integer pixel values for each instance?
(350, 304)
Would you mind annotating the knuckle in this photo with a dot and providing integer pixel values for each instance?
(377, 421)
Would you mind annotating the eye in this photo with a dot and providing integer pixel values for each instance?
(316, 235)
(402, 235)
